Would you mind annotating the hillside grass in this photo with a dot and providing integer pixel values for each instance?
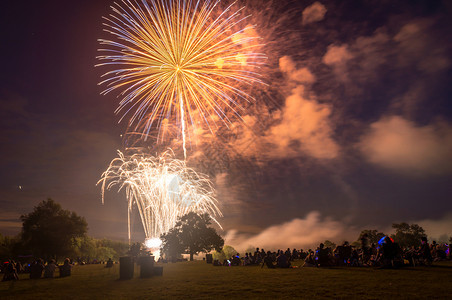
(198, 280)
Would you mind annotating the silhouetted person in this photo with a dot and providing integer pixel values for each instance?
(36, 269)
(387, 253)
(65, 269)
(235, 261)
(343, 253)
(282, 261)
(10, 272)
(424, 251)
(268, 261)
(322, 256)
(110, 263)
(49, 269)
(310, 259)
(19, 268)
(365, 248)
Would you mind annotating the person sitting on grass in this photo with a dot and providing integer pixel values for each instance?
(235, 260)
(268, 261)
(65, 269)
(322, 256)
(49, 269)
(343, 253)
(110, 263)
(282, 261)
(310, 259)
(36, 269)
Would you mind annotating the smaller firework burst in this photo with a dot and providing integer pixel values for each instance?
(163, 188)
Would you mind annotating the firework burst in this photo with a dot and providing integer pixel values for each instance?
(179, 61)
(162, 188)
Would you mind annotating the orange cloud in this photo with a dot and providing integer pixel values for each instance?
(303, 75)
(396, 143)
(304, 127)
(313, 13)
(298, 233)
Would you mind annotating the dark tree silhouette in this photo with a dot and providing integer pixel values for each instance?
(191, 235)
(50, 231)
(408, 235)
(373, 236)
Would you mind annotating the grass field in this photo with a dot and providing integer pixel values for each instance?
(198, 280)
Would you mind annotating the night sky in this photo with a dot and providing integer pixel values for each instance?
(353, 131)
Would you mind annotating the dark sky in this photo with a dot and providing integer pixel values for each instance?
(358, 134)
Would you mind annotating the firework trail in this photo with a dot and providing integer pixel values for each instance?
(163, 189)
(179, 61)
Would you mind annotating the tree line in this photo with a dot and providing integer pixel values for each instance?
(51, 232)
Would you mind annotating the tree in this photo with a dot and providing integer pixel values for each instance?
(408, 235)
(373, 236)
(89, 249)
(226, 253)
(7, 245)
(329, 244)
(191, 235)
(50, 231)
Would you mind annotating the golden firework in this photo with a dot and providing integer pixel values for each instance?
(183, 61)
(163, 189)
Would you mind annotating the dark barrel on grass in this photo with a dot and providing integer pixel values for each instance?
(146, 265)
(157, 271)
(209, 258)
(125, 267)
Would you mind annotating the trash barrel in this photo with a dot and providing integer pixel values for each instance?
(209, 258)
(125, 267)
(146, 265)
(157, 271)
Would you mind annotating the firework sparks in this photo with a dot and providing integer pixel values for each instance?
(162, 188)
(180, 61)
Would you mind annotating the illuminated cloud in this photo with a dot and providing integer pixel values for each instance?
(358, 62)
(396, 143)
(313, 13)
(337, 55)
(303, 126)
(298, 233)
(419, 48)
(288, 66)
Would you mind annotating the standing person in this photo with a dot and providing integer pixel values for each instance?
(424, 251)
(10, 272)
(19, 267)
(365, 249)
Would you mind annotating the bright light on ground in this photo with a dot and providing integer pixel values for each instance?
(154, 246)
(153, 243)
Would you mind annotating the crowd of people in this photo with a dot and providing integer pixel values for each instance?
(385, 254)
(37, 269)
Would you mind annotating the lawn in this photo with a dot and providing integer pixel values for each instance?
(198, 280)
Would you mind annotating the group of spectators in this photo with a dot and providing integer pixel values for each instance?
(385, 254)
(279, 259)
(36, 269)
